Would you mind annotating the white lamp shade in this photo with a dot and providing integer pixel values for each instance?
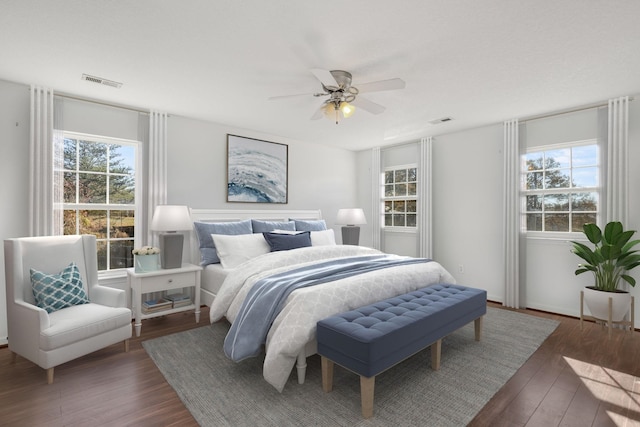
(171, 218)
(353, 216)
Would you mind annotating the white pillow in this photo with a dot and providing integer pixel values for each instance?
(233, 250)
(323, 238)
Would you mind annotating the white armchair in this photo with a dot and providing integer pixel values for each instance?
(50, 339)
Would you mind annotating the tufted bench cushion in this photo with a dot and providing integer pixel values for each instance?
(373, 338)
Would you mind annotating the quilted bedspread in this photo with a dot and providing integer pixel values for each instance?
(295, 326)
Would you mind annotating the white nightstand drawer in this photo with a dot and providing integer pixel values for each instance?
(180, 280)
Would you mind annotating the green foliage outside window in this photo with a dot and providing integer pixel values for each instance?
(99, 197)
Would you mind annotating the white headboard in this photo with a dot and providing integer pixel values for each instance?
(229, 215)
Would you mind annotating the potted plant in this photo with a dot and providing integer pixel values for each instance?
(609, 260)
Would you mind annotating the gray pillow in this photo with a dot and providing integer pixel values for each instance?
(266, 226)
(310, 225)
(204, 230)
(285, 242)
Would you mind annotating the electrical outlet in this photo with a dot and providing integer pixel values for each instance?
(461, 269)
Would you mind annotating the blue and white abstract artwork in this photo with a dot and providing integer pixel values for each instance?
(257, 170)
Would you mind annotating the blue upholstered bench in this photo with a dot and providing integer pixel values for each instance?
(371, 339)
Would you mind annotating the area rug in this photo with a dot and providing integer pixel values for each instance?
(219, 392)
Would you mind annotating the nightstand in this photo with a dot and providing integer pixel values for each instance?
(163, 280)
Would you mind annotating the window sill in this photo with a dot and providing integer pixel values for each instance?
(412, 230)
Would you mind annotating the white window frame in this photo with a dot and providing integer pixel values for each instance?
(110, 273)
(561, 235)
(399, 229)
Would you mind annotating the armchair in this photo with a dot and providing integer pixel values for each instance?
(49, 339)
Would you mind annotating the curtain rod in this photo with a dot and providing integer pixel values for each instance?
(95, 101)
(568, 111)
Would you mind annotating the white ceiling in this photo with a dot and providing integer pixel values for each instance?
(476, 61)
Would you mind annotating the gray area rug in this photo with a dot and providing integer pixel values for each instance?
(219, 392)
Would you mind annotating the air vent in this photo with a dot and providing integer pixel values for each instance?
(101, 81)
(441, 120)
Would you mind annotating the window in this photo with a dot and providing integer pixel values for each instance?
(99, 186)
(561, 187)
(400, 196)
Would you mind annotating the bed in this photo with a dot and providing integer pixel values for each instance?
(291, 335)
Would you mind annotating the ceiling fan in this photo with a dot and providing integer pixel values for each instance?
(342, 97)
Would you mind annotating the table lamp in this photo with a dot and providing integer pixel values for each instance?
(351, 218)
(169, 219)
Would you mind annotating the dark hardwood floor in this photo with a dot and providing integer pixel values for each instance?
(576, 378)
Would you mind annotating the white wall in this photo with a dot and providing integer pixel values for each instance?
(468, 209)
(14, 174)
(549, 262)
(320, 177)
(467, 205)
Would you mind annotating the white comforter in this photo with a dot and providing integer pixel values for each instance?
(296, 323)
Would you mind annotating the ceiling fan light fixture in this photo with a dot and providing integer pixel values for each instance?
(347, 109)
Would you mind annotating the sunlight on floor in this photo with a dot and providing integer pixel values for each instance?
(620, 390)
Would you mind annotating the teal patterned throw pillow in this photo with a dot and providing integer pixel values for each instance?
(57, 291)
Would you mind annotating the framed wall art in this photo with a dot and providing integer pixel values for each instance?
(257, 171)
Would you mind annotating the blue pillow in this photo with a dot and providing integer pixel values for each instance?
(285, 242)
(313, 225)
(57, 291)
(265, 226)
(204, 230)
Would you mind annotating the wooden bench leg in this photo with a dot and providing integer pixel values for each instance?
(50, 376)
(327, 374)
(478, 327)
(366, 395)
(436, 352)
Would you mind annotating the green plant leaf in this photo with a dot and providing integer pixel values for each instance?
(593, 233)
(611, 231)
(630, 280)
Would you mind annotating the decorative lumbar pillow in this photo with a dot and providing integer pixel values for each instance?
(57, 291)
(260, 226)
(285, 242)
(323, 238)
(204, 230)
(310, 225)
(234, 250)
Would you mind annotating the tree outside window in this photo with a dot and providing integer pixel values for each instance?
(99, 195)
(400, 196)
(561, 188)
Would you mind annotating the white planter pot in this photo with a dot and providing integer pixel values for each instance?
(146, 263)
(598, 303)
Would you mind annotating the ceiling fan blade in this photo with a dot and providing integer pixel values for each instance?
(325, 77)
(275, 98)
(391, 84)
(367, 105)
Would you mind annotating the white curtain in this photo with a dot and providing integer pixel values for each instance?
(512, 215)
(157, 167)
(375, 197)
(45, 192)
(617, 160)
(425, 226)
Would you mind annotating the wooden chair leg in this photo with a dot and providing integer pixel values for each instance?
(50, 376)
(367, 386)
(436, 352)
(327, 374)
(478, 327)
(126, 346)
